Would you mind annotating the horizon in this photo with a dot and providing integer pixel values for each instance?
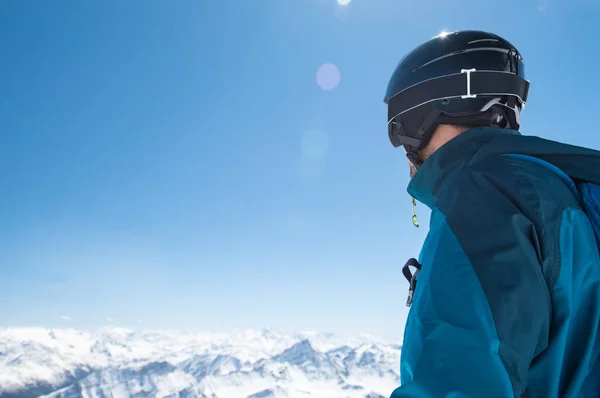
(300, 334)
(265, 332)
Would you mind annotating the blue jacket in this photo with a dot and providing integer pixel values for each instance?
(507, 303)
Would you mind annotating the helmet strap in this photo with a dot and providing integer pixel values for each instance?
(424, 134)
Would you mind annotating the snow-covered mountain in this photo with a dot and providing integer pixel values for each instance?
(119, 363)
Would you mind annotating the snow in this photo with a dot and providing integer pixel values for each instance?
(121, 363)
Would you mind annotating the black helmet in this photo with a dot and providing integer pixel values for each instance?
(467, 78)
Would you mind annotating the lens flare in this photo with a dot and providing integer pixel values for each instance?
(328, 77)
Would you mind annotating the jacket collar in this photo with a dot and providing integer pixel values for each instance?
(440, 170)
(442, 167)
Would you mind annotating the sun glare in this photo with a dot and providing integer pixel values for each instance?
(344, 2)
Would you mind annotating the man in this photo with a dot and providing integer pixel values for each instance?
(507, 300)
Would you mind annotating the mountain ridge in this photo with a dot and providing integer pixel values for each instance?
(122, 363)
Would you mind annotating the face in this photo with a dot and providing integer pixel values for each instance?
(413, 169)
(411, 165)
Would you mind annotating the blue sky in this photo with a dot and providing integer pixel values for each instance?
(177, 165)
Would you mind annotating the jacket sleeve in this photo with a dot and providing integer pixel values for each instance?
(481, 309)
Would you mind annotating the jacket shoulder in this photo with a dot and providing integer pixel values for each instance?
(495, 189)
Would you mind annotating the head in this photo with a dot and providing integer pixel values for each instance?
(441, 135)
(450, 84)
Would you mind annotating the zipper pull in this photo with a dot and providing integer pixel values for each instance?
(411, 278)
(411, 289)
(414, 217)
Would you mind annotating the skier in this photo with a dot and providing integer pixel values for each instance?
(505, 299)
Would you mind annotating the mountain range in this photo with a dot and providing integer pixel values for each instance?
(122, 363)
